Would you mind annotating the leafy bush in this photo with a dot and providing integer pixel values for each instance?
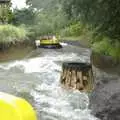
(101, 14)
(75, 29)
(115, 51)
(36, 31)
(102, 47)
(10, 33)
(105, 47)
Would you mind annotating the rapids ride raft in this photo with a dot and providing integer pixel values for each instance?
(50, 42)
(15, 108)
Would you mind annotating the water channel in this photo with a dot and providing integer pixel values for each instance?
(36, 78)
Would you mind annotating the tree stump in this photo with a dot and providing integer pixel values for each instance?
(77, 76)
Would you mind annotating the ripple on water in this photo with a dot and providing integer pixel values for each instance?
(39, 77)
(56, 103)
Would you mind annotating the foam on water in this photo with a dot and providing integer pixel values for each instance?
(51, 101)
(41, 64)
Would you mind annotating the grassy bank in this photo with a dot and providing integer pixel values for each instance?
(87, 37)
(103, 46)
(11, 35)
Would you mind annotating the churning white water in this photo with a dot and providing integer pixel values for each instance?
(37, 80)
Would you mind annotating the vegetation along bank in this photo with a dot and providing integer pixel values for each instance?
(94, 22)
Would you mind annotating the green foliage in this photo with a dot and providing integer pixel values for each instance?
(41, 18)
(46, 21)
(103, 19)
(5, 13)
(36, 31)
(40, 4)
(72, 30)
(23, 16)
(102, 46)
(101, 14)
(76, 29)
(11, 34)
(115, 51)
(105, 47)
(92, 20)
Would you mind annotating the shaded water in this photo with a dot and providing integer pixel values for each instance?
(37, 80)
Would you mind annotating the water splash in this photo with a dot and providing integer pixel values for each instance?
(39, 77)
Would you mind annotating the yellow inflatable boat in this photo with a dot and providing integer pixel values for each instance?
(50, 42)
(15, 108)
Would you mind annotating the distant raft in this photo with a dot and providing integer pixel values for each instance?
(14, 108)
(48, 42)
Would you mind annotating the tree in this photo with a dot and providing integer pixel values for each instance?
(103, 15)
(40, 4)
(50, 17)
(5, 12)
(24, 16)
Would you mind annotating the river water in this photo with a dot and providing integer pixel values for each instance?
(36, 78)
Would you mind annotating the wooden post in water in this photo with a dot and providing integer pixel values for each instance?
(77, 76)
